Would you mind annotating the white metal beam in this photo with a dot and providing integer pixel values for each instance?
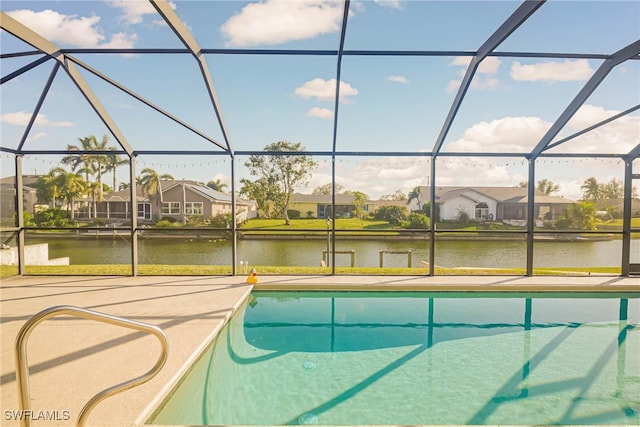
(175, 23)
(620, 56)
(29, 36)
(521, 14)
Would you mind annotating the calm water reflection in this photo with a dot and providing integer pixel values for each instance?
(490, 254)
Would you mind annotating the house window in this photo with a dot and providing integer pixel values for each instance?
(171, 208)
(482, 211)
(193, 208)
(144, 211)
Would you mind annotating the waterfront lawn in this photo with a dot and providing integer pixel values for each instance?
(316, 224)
(225, 270)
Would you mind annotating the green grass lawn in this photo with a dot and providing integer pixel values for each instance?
(365, 225)
(225, 270)
(316, 224)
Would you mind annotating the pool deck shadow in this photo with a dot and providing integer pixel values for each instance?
(73, 359)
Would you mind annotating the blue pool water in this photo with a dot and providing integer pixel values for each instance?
(411, 358)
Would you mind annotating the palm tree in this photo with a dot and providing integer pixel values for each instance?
(125, 185)
(47, 188)
(112, 162)
(94, 192)
(415, 194)
(71, 185)
(81, 162)
(591, 189)
(89, 164)
(151, 186)
(217, 185)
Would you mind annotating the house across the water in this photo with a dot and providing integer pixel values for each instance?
(492, 203)
(183, 199)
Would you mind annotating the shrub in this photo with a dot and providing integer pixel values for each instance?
(463, 218)
(221, 221)
(564, 223)
(27, 217)
(166, 222)
(195, 220)
(169, 219)
(293, 214)
(53, 217)
(418, 221)
(394, 215)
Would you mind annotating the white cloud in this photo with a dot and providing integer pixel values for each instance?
(487, 83)
(453, 86)
(480, 171)
(508, 134)
(570, 189)
(321, 113)
(588, 115)
(489, 65)
(522, 134)
(77, 31)
(121, 41)
(398, 79)
(21, 118)
(36, 136)
(482, 80)
(281, 21)
(394, 4)
(477, 83)
(618, 136)
(384, 175)
(552, 71)
(133, 11)
(68, 29)
(325, 90)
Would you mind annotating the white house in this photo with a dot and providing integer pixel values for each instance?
(491, 203)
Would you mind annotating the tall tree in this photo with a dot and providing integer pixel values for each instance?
(543, 185)
(591, 189)
(360, 202)
(150, 182)
(285, 170)
(86, 162)
(613, 189)
(547, 187)
(398, 195)
(93, 191)
(80, 162)
(47, 187)
(217, 185)
(267, 196)
(112, 162)
(326, 189)
(71, 185)
(125, 185)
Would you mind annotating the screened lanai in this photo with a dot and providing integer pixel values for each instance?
(320, 137)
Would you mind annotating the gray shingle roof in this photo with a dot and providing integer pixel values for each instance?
(500, 194)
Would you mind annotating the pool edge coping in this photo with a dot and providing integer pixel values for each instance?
(154, 406)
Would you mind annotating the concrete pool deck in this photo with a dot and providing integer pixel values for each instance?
(73, 359)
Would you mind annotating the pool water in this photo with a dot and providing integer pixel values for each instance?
(354, 358)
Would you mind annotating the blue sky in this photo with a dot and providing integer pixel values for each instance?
(388, 103)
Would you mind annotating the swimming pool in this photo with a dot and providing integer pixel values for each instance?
(355, 358)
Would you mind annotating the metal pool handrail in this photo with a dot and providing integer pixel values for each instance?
(22, 366)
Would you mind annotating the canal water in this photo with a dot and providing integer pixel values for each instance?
(366, 253)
